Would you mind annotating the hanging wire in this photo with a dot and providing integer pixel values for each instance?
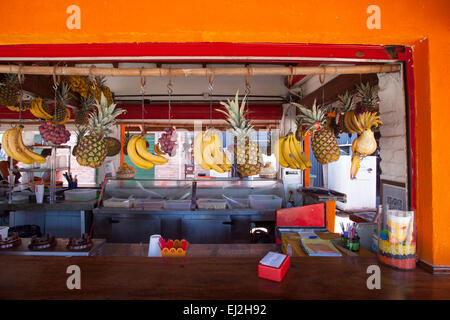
(56, 81)
(211, 89)
(170, 91)
(143, 82)
(20, 78)
(322, 82)
(92, 80)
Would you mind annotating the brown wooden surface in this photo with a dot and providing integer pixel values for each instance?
(210, 278)
(195, 250)
(294, 241)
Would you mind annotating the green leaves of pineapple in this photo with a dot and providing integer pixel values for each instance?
(236, 115)
(105, 117)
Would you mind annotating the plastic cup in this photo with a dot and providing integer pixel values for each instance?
(39, 190)
(398, 228)
(154, 250)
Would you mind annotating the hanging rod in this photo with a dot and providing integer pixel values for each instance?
(198, 72)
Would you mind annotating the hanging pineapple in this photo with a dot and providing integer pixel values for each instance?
(82, 112)
(324, 143)
(345, 109)
(99, 87)
(246, 151)
(365, 144)
(9, 90)
(61, 112)
(368, 96)
(91, 150)
(81, 131)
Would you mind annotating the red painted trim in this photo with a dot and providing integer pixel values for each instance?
(407, 56)
(178, 111)
(197, 111)
(194, 50)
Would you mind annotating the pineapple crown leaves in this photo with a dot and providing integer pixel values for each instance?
(86, 103)
(63, 94)
(101, 121)
(346, 102)
(309, 117)
(236, 116)
(10, 79)
(367, 94)
(81, 132)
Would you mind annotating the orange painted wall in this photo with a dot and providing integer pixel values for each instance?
(403, 22)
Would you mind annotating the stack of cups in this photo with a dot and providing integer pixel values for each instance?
(39, 190)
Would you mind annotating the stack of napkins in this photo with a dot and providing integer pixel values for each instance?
(320, 247)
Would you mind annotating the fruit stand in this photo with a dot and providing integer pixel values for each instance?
(226, 149)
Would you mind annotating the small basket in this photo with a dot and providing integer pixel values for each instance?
(127, 175)
(173, 248)
(268, 176)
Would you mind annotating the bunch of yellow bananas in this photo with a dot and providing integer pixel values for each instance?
(351, 122)
(289, 153)
(140, 156)
(14, 147)
(37, 110)
(158, 150)
(208, 152)
(16, 107)
(80, 85)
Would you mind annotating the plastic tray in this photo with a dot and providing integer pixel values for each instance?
(149, 204)
(80, 195)
(238, 203)
(177, 204)
(117, 203)
(211, 204)
(265, 202)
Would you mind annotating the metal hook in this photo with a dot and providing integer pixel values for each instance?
(56, 79)
(247, 82)
(291, 76)
(20, 75)
(211, 88)
(169, 85)
(143, 80)
(91, 77)
(322, 81)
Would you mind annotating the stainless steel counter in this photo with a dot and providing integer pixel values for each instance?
(199, 226)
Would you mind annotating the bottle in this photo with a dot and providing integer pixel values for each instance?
(355, 244)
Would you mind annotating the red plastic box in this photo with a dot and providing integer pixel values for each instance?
(274, 274)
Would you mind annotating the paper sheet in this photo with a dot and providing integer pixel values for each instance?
(273, 259)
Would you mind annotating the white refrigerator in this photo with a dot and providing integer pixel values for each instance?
(361, 192)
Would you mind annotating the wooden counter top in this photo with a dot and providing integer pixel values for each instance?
(28, 277)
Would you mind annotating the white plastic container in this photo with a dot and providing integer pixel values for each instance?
(80, 194)
(4, 231)
(177, 204)
(261, 202)
(237, 203)
(211, 204)
(118, 203)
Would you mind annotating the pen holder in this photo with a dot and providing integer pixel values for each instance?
(350, 244)
(396, 239)
(173, 248)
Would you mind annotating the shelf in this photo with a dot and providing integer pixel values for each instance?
(41, 169)
(49, 147)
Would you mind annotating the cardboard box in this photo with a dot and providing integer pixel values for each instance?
(271, 272)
